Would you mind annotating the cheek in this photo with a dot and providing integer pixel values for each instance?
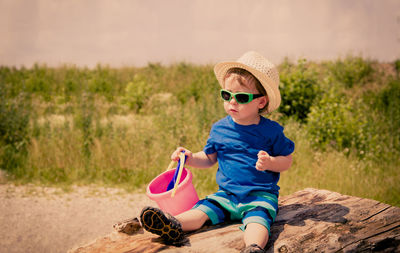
(226, 105)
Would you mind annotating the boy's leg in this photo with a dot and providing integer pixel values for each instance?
(256, 233)
(192, 219)
(257, 223)
(170, 228)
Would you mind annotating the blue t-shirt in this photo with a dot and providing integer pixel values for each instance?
(237, 147)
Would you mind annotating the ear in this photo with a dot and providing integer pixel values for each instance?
(262, 102)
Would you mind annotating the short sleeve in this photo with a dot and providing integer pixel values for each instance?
(209, 148)
(282, 145)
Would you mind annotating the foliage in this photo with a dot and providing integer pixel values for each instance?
(397, 67)
(118, 126)
(385, 124)
(84, 122)
(334, 122)
(137, 92)
(352, 71)
(299, 89)
(14, 137)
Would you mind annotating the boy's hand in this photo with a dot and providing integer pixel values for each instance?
(175, 154)
(264, 161)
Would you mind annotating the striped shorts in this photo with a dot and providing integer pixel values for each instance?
(258, 207)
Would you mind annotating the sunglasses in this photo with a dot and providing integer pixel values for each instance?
(240, 97)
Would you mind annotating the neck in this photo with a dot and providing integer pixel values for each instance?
(247, 122)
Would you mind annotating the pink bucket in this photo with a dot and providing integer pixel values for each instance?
(185, 196)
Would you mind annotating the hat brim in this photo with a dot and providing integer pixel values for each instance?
(272, 90)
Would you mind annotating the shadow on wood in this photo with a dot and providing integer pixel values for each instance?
(308, 220)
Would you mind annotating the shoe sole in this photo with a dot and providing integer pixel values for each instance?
(156, 222)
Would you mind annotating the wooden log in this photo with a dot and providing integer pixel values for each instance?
(310, 220)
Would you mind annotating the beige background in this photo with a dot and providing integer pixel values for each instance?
(135, 32)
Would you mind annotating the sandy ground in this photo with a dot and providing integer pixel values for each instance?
(37, 219)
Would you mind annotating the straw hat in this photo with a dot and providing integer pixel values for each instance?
(261, 68)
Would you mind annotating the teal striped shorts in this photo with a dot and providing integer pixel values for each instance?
(258, 207)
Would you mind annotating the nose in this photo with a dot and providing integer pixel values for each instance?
(233, 101)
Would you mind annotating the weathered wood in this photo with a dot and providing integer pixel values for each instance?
(308, 221)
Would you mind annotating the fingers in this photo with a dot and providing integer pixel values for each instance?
(263, 155)
(263, 159)
(175, 154)
(259, 166)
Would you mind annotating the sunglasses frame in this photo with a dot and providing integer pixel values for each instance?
(232, 94)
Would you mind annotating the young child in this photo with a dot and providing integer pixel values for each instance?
(251, 151)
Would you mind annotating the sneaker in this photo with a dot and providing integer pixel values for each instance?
(253, 248)
(163, 224)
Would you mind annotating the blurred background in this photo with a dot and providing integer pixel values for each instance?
(126, 33)
(102, 92)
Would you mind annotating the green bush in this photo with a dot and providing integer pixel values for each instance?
(352, 71)
(137, 92)
(333, 122)
(397, 67)
(299, 89)
(368, 126)
(84, 122)
(72, 80)
(40, 80)
(104, 81)
(11, 80)
(387, 101)
(385, 124)
(14, 130)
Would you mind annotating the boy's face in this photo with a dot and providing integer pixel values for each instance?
(244, 114)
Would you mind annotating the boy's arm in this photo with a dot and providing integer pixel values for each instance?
(273, 163)
(202, 160)
(197, 160)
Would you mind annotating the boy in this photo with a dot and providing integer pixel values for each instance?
(251, 151)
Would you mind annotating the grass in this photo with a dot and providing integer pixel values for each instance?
(337, 171)
(118, 127)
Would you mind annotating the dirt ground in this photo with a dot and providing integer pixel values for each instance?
(39, 219)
